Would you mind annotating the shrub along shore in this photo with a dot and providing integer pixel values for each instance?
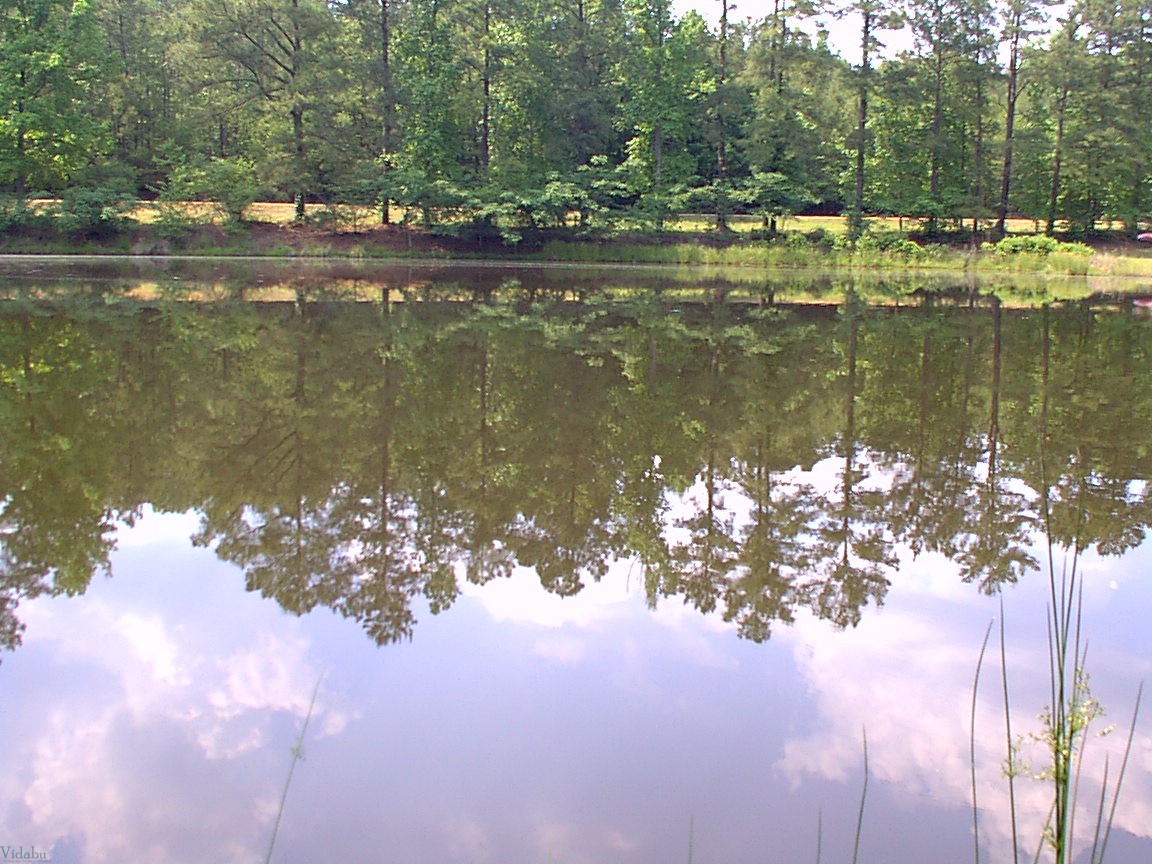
(801, 242)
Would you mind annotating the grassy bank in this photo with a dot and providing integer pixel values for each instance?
(818, 242)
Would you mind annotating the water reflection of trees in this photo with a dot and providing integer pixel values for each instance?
(368, 458)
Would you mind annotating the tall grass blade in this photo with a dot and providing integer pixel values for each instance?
(1071, 708)
(863, 797)
(1120, 776)
(1083, 713)
(297, 755)
(1011, 763)
(1044, 834)
(1099, 813)
(972, 742)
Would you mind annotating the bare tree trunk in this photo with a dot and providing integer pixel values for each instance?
(1009, 125)
(297, 113)
(856, 217)
(722, 143)
(387, 95)
(1057, 160)
(1058, 150)
(298, 148)
(937, 130)
(486, 108)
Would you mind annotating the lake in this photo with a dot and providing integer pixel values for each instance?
(433, 563)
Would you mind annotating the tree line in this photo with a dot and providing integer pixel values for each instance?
(553, 112)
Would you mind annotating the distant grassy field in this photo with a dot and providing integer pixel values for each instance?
(276, 212)
(264, 211)
(353, 217)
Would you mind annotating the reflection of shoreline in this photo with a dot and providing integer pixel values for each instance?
(273, 279)
(362, 458)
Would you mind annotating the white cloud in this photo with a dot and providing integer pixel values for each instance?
(520, 599)
(152, 646)
(135, 679)
(154, 528)
(565, 650)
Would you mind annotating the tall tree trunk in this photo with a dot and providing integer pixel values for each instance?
(20, 183)
(1057, 160)
(849, 443)
(486, 107)
(978, 197)
(937, 131)
(856, 217)
(387, 96)
(1009, 124)
(300, 196)
(297, 113)
(722, 120)
(658, 171)
(994, 412)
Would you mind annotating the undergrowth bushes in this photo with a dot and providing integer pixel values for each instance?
(1039, 252)
(1034, 244)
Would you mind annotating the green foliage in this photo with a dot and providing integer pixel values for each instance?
(1031, 244)
(820, 238)
(173, 222)
(553, 204)
(87, 421)
(50, 59)
(891, 243)
(603, 187)
(718, 196)
(16, 214)
(335, 217)
(596, 114)
(99, 211)
(773, 194)
(230, 184)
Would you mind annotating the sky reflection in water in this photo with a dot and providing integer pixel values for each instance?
(522, 726)
(321, 453)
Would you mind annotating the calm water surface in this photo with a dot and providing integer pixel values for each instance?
(577, 573)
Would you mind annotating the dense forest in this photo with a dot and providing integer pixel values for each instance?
(584, 111)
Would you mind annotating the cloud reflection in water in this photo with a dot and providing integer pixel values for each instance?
(153, 717)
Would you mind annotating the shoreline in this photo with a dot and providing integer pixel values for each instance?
(1111, 256)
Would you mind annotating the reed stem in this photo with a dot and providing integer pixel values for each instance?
(972, 742)
(1011, 759)
(297, 755)
(863, 796)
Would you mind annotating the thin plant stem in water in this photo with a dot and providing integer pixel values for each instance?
(1096, 859)
(1070, 707)
(819, 833)
(297, 755)
(1100, 812)
(1090, 716)
(863, 797)
(972, 742)
(1044, 834)
(1010, 761)
(1073, 707)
